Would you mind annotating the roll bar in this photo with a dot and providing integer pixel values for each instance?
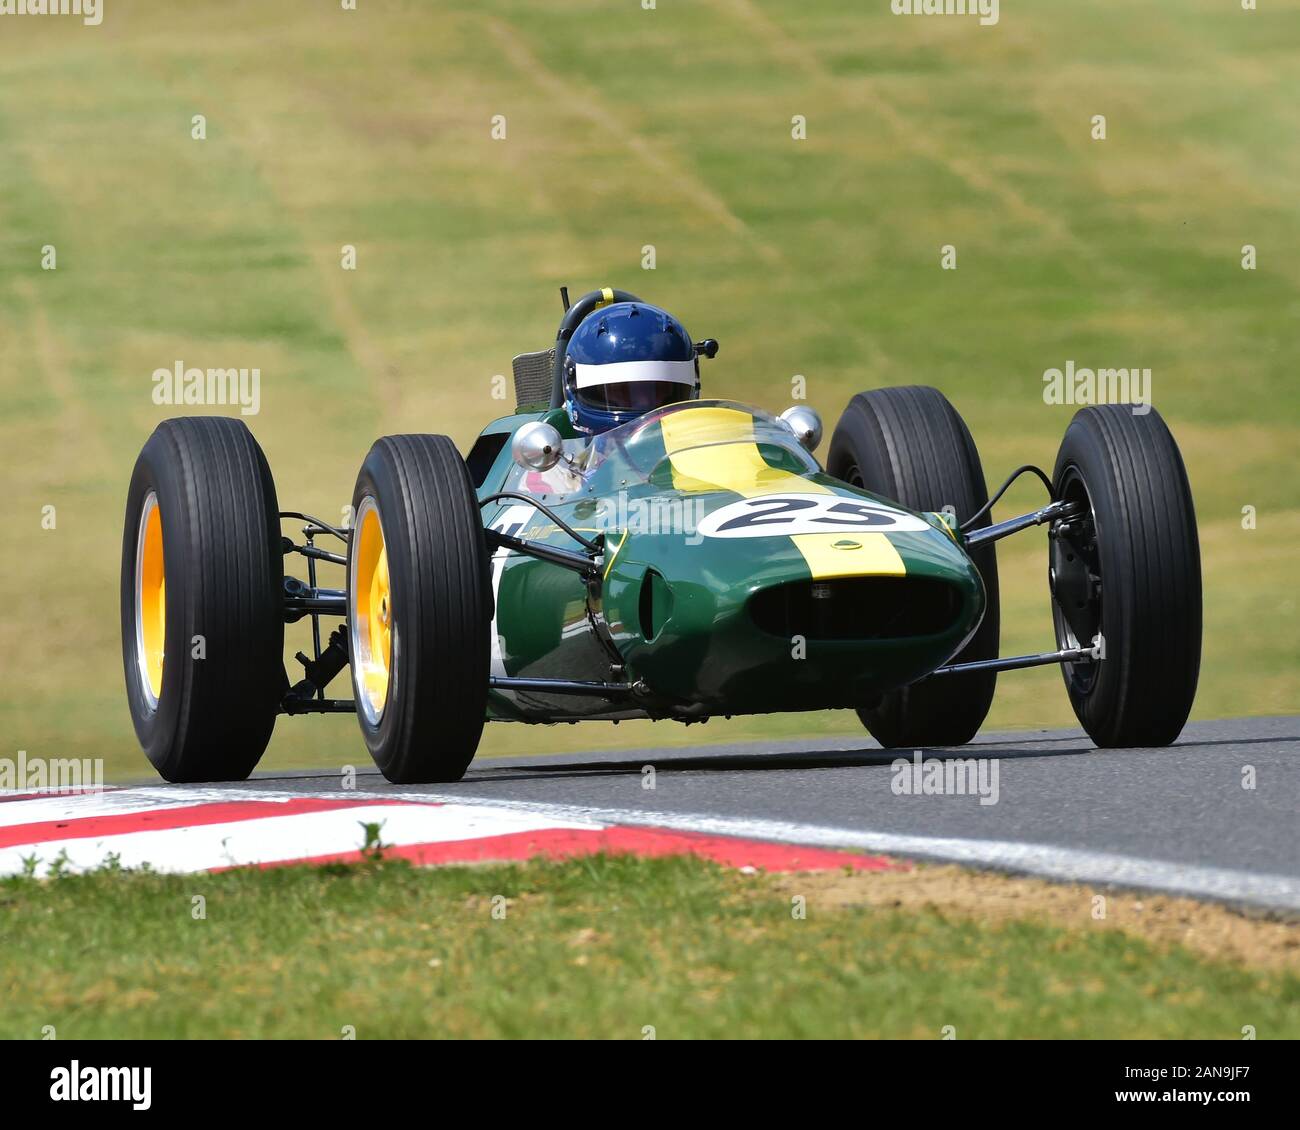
(573, 315)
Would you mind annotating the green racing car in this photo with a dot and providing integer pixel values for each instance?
(620, 548)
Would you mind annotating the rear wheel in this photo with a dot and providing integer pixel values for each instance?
(419, 609)
(202, 600)
(910, 445)
(1128, 569)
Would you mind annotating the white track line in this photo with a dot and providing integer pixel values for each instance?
(78, 806)
(274, 839)
(1061, 863)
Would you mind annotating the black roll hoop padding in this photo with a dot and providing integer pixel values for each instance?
(573, 316)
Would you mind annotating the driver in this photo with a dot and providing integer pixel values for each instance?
(626, 359)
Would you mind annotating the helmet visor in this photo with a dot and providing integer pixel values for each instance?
(637, 386)
(641, 397)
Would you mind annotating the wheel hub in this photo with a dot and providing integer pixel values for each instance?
(370, 613)
(150, 601)
(1074, 575)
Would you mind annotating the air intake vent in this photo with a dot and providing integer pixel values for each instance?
(533, 374)
(857, 608)
(656, 604)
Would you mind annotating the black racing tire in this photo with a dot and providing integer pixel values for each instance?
(1131, 570)
(419, 609)
(910, 445)
(203, 623)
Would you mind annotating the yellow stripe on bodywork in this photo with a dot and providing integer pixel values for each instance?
(945, 523)
(715, 449)
(610, 563)
(875, 557)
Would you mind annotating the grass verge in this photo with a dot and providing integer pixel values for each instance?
(612, 946)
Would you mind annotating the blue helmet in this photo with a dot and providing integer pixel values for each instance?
(626, 359)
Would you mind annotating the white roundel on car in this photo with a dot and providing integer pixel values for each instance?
(784, 515)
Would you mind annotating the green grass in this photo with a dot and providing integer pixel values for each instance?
(599, 947)
(625, 128)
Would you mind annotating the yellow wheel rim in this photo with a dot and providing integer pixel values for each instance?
(371, 616)
(150, 600)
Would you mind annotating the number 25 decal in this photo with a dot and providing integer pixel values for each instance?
(781, 515)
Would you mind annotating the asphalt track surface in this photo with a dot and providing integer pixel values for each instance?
(1174, 819)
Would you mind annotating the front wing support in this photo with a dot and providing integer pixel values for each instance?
(1016, 662)
(1053, 512)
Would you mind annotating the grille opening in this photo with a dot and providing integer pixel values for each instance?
(857, 608)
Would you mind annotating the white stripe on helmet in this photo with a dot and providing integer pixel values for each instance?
(622, 372)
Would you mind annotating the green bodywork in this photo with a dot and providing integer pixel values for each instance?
(681, 607)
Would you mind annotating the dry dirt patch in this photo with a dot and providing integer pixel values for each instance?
(1207, 929)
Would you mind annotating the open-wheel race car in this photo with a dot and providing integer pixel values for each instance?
(620, 548)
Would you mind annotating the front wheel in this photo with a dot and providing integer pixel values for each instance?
(202, 600)
(909, 445)
(419, 606)
(1127, 570)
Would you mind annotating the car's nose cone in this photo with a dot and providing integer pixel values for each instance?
(754, 625)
